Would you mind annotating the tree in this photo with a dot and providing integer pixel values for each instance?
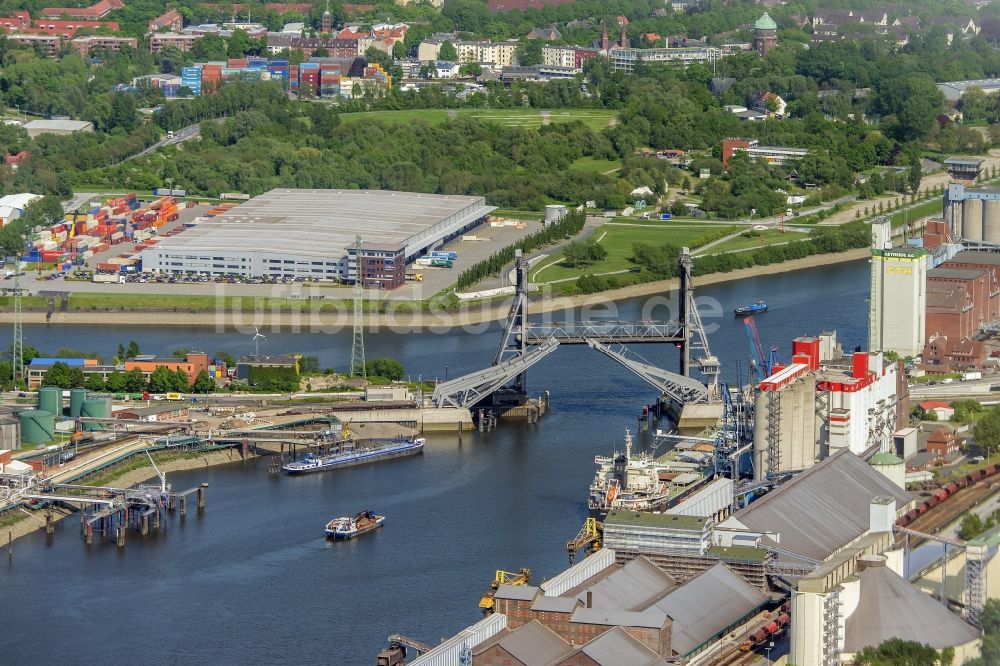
(448, 52)
(972, 526)
(320, 52)
(309, 365)
(181, 384)
(578, 253)
(76, 377)
(471, 69)
(974, 104)
(94, 382)
(133, 349)
(203, 383)
(398, 51)
(389, 368)
(897, 652)
(226, 358)
(209, 47)
(123, 112)
(915, 174)
(529, 52)
(116, 382)
(57, 375)
(986, 432)
(161, 380)
(135, 380)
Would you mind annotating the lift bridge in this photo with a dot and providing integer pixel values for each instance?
(524, 343)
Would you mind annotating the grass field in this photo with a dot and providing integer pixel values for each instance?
(619, 239)
(594, 118)
(592, 165)
(920, 210)
(760, 239)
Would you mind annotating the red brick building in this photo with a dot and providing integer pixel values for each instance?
(95, 11)
(943, 442)
(943, 354)
(958, 301)
(171, 20)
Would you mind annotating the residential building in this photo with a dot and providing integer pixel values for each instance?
(48, 45)
(161, 40)
(777, 155)
(87, 44)
(943, 442)
(567, 56)
(95, 11)
(624, 59)
(336, 48)
(549, 34)
(170, 20)
(499, 54)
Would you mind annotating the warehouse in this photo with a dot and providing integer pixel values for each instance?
(311, 234)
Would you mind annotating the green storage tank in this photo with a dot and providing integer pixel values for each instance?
(97, 408)
(37, 426)
(76, 398)
(50, 400)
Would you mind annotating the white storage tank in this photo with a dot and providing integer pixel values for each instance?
(991, 222)
(891, 467)
(972, 219)
(554, 213)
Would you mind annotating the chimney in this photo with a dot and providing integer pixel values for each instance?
(590, 599)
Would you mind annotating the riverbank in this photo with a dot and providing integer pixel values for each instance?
(398, 317)
(35, 520)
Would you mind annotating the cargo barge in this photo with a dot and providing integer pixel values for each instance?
(347, 527)
(639, 482)
(356, 455)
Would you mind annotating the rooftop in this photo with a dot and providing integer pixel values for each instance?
(63, 125)
(325, 222)
(663, 520)
(765, 22)
(976, 257)
(954, 273)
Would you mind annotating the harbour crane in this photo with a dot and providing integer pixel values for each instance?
(756, 349)
(503, 578)
(588, 539)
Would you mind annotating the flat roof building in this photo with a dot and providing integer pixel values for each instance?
(36, 127)
(953, 90)
(311, 234)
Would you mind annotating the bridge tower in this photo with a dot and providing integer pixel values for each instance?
(514, 342)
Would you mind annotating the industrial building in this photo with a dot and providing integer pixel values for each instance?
(311, 234)
(37, 127)
(898, 302)
(776, 155)
(605, 613)
(972, 214)
(824, 402)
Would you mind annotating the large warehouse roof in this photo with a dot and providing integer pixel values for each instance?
(325, 222)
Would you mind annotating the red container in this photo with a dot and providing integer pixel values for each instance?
(238, 63)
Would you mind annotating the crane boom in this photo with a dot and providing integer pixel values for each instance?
(756, 348)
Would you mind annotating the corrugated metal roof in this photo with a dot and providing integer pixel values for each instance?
(707, 604)
(618, 648)
(714, 497)
(521, 592)
(651, 619)
(534, 643)
(633, 587)
(447, 653)
(59, 125)
(824, 508)
(546, 604)
(578, 573)
(890, 607)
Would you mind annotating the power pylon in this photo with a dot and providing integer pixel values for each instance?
(358, 346)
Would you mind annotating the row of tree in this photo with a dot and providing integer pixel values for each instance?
(569, 226)
(161, 380)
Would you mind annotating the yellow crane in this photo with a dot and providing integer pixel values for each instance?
(503, 578)
(589, 539)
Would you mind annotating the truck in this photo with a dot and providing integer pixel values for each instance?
(109, 278)
(971, 376)
(441, 263)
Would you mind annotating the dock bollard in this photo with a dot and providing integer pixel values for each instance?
(201, 499)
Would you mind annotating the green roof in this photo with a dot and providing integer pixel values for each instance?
(886, 458)
(765, 22)
(742, 553)
(646, 519)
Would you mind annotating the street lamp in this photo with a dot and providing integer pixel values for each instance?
(770, 646)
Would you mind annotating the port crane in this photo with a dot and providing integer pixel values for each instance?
(503, 578)
(588, 539)
(761, 363)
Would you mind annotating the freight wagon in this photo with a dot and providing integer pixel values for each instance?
(943, 493)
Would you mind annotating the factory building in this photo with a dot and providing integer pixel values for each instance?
(824, 402)
(311, 234)
(605, 613)
(898, 300)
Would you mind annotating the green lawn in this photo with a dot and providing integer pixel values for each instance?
(759, 239)
(593, 165)
(619, 240)
(924, 209)
(594, 118)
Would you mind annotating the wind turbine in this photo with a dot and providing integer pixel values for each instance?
(256, 341)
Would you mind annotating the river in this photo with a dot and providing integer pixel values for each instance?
(252, 580)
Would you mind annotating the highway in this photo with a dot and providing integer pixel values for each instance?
(181, 135)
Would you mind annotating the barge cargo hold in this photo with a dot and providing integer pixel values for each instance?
(348, 457)
(346, 527)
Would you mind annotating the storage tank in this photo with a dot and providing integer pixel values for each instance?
(891, 467)
(37, 426)
(50, 399)
(554, 213)
(76, 398)
(10, 433)
(97, 408)
(991, 222)
(972, 219)
(946, 214)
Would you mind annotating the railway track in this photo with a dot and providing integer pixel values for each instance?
(947, 512)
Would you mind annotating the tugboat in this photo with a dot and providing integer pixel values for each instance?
(756, 308)
(347, 527)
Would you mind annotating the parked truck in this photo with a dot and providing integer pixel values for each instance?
(971, 376)
(109, 278)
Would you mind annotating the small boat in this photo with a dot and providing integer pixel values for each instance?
(347, 527)
(759, 306)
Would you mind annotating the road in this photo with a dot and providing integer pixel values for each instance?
(181, 135)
